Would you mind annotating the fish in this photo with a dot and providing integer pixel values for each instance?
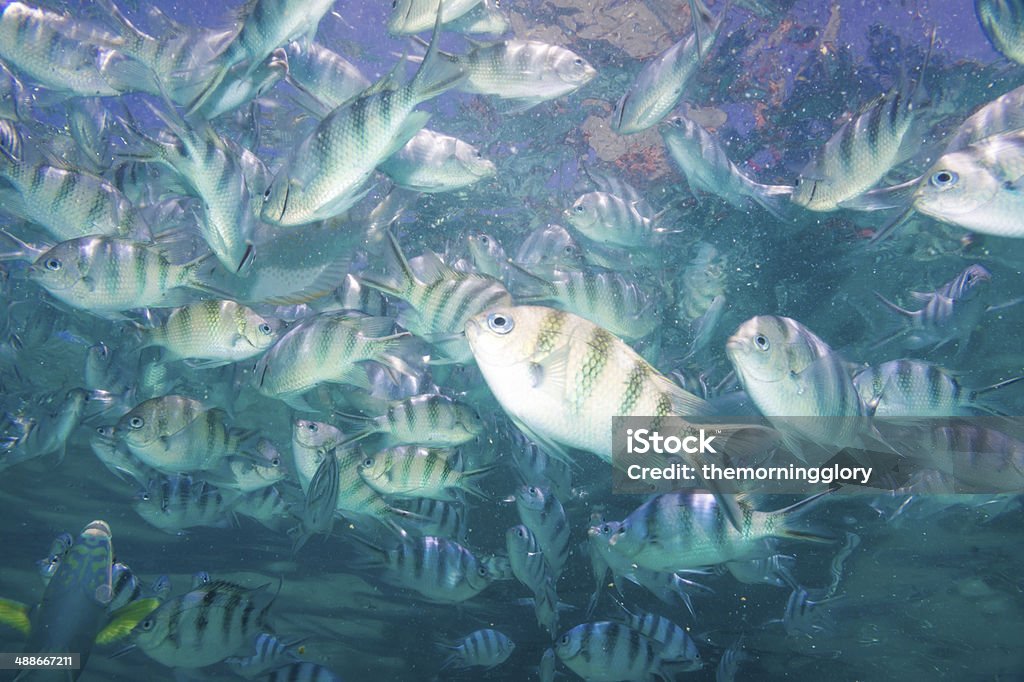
(950, 314)
(178, 502)
(414, 16)
(49, 564)
(269, 654)
(729, 663)
(548, 249)
(608, 219)
(433, 162)
(213, 332)
(527, 559)
(302, 671)
(772, 570)
(64, 202)
(324, 175)
(677, 647)
(704, 163)
(915, 388)
(435, 517)
(429, 419)
(205, 625)
(328, 80)
(439, 569)
(47, 434)
(320, 502)
(327, 348)
(554, 372)
(267, 505)
(543, 514)
(410, 471)
(792, 375)
(488, 255)
(485, 17)
(661, 82)
(108, 275)
(116, 457)
(484, 648)
(677, 531)
(1001, 21)
(606, 651)
(176, 434)
(1002, 115)
(73, 614)
(440, 299)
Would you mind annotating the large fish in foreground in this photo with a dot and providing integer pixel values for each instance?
(73, 613)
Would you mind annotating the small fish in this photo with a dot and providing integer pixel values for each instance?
(267, 506)
(677, 647)
(177, 434)
(677, 531)
(488, 255)
(215, 332)
(116, 457)
(536, 467)
(205, 625)
(106, 275)
(47, 434)
(303, 671)
(485, 17)
(432, 162)
(435, 517)
(729, 664)
(126, 586)
(527, 559)
(320, 502)
(661, 82)
(914, 388)
(1002, 22)
(483, 648)
(805, 617)
(440, 299)
(548, 249)
(49, 564)
(702, 160)
(543, 514)
(608, 219)
(978, 457)
(431, 420)
(409, 471)
(441, 570)
(950, 313)
(414, 16)
(328, 79)
(324, 175)
(178, 502)
(606, 651)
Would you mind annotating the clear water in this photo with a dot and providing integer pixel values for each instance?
(934, 589)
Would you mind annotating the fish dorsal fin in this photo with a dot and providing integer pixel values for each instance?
(430, 268)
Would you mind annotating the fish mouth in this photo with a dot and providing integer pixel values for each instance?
(735, 344)
(98, 528)
(472, 329)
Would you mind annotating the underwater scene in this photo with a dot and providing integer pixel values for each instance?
(606, 340)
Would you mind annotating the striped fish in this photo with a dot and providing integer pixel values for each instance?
(612, 220)
(176, 434)
(979, 457)
(431, 162)
(606, 651)
(805, 617)
(488, 255)
(66, 202)
(729, 664)
(116, 457)
(792, 375)
(324, 349)
(1003, 23)
(609, 299)
(661, 82)
(1001, 115)
(527, 559)
(409, 17)
(204, 626)
(325, 77)
(950, 313)
(410, 471)
(212, 172)
(174, 503)
(311, 440)
(270, 653)
(430, 419)
(542, 513)
(678, 531)
(46, 434)
(441, 299)
(914, 388)
(439, 569)
(266, 505)
(325, 174)
(707, 168)
(484, 18)
(304, 671)
(677, 647)
(535, 467)
(547, 249)
(859, 154)
(126, 586)
(561, 378)
(214, 331)
(435, 517)
(482, 648)
(105, 275)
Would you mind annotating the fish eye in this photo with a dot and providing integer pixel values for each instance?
(944, 178)
(761, 341)
(266, 194)
(145, 497)
(147, 624)
(579, 208)
(484, 239)
(605, 529)
(312, 427)
(677, 122)
(265, 329)
(500, 324)
(276, 462)
(482, 570)
(565, 639)
(578, 61)
(53, 264)
(368, 462)
(136, 422)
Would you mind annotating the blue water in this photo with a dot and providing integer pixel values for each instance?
(933, 591)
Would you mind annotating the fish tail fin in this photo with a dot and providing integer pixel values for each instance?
(470, 482)
(902, 312)
(438, 72)
(789, 515)
(407, 281)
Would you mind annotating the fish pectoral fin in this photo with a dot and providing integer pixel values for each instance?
(551, 371)
(124, 620)
(15, 614)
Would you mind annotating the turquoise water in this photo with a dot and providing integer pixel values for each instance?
(932, 591)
